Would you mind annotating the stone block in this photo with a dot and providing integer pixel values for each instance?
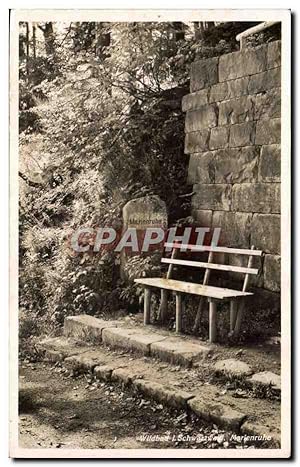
(117, 337)
(194, 164)
(232, 367)
(123, 375)
(268, 131)
(179, 353)
(196, 141)
(133, 340)
(171, 397)
(203, 218)
(229, 90)
(242, 63)
(268, 104)
(141, 341)
(256, 197)
(85, 362)
(272, 273)
(147, 211)
(238, 87)
(269, 169)
(219, 137)
(237, 110)
(204, 73)
(263, 81)
(58, 348)
(195, 100)
(141, 214)
(103, 372)
(235, 228)
(201, 168)
(210, 196)
(85, 327)
(265, 232)
(201, 119)
(274, 54)
(266, 378)
(234, 165)
(221, 414)
(218, 92)
(242, 134)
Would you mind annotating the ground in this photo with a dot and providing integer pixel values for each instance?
(57, 411)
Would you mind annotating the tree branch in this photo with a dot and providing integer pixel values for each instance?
(28, 181)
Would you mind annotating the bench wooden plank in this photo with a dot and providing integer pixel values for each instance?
(219, 267)
(190, 287)
(215, 249)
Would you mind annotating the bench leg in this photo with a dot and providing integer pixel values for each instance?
(239, 318)
(178, 312)
(147, 300)
(163, 305)
(233, 314)
(212, 321)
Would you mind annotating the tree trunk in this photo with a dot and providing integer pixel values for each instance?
(34, 40)
(27, 48)
(178, 31)
(102, 40)
(49, 38)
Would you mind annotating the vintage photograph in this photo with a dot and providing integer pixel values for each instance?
(150, 216)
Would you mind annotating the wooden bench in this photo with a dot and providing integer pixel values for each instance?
(213, 294)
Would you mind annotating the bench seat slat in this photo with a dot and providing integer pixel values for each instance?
(215, 249)
(192, 288)
(219, 267)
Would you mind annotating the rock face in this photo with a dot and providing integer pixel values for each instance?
(233, 131)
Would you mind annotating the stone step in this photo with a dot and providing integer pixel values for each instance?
(237, 369)
(176, 350)
(172, 386)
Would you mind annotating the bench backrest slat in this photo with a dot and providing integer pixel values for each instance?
(215, 249)
(171, 265)
(220, 267)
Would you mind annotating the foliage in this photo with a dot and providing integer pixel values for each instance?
(101, 123)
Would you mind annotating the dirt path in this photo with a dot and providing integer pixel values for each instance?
(57, 411)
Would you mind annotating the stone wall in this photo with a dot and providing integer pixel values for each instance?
(233, 137)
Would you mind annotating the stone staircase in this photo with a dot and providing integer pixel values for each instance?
(173, 370)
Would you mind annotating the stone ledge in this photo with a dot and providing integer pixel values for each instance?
(175, 398)
(179, 353)
(138, 341)
(86, 327)
(222, 415)
(59, 348)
